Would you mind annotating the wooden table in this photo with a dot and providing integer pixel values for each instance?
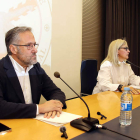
(108, 103)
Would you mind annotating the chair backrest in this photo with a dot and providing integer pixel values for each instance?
(88, 76)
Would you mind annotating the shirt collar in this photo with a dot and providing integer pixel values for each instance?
(121, 62)
(18, 67)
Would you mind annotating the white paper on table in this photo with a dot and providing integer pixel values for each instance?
(136, 87)
(58, 121)
(52, 123)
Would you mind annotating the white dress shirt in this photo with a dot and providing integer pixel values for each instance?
(111, 76)
(24, 80)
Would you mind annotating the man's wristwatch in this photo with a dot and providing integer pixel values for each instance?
(120, 87)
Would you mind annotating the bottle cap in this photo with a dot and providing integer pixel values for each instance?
(126, 88)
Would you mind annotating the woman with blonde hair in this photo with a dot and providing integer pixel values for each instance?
(115, 73)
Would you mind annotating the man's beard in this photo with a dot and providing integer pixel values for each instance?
(27, 60)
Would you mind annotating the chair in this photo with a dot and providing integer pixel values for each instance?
(88, 76)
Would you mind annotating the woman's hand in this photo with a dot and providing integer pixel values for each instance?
(134, 91)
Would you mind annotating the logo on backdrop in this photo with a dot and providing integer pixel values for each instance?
(33, 13)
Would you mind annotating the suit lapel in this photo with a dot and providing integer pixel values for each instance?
(11, 74)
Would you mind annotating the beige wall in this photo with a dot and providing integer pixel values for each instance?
(66, 44)
(57, 25)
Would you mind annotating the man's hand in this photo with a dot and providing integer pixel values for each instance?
(51, 108)
(52, 114)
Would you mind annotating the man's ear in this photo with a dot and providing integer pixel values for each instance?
(13, 49)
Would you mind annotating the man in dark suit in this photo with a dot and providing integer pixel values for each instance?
(22, 80)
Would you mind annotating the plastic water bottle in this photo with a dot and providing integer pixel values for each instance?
(126, 107)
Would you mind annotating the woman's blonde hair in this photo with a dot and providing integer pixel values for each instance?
(112, 55)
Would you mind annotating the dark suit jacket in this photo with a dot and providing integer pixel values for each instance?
(12, 103)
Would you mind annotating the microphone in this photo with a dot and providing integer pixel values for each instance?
(102, 116)
(132, 63)
(63, 130)
(85, 124)
(99, 126)
(88, 123)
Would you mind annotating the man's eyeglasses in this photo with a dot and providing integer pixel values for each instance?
(29, 46)
(126, 48)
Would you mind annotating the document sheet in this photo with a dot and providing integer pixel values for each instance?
(58, 121)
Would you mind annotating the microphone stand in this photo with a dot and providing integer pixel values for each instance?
(78, 96)
(132, 64)
(88, 123)
(85, 124)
